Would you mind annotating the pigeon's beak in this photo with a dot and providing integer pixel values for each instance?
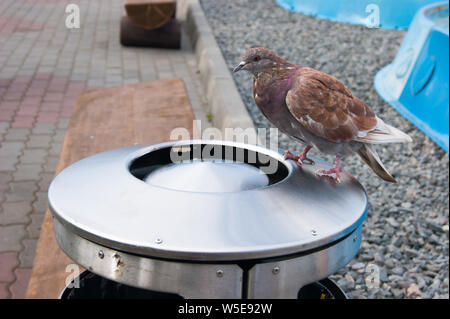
(239, 67)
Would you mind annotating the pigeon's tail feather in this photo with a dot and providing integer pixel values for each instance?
(384, 133)
(370, 157)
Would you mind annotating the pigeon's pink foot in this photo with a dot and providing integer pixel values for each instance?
(334, 170)
(300, 158)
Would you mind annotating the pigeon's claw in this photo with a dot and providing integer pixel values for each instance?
(300, 158)
(334, 170)
(289, 155)
(331, 171)
(337, 179)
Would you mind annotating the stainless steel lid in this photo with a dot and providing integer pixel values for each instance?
(205, 206)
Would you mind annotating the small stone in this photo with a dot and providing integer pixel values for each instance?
(420, 282)
(445, 283)
(397, 270)
(406, 205)
(350, 281)
(435, 226)
(390, 263)
(356, 294)
(358, 266)
(428, 280)
(383, 275)
(434, 267)
(434, 239)
(413, 291)
(411, 252)
(403, 284)
(366, 257)
(398, 293)
(391, 221)
(395, 278)
(397, 254)
(379, 258)
(391, 248)
(435, 285)
(397, 241)
(343, 284)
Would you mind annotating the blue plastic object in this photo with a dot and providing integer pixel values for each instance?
(416, 83)
(389, 14)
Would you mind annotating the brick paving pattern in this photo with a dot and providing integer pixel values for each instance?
(43, 66)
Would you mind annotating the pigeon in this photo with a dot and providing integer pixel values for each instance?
(319, 111)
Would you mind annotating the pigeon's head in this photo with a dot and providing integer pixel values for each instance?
(257, 60)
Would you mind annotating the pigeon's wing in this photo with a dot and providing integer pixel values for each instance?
(323, 105)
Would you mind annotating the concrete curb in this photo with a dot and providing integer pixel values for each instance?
(223, 98)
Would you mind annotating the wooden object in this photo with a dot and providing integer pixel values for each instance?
(168, 36)
(150, 14)
(104, 119)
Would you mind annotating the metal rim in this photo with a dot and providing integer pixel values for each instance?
(243, 252)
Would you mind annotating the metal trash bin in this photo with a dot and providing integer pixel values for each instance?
(207, 219)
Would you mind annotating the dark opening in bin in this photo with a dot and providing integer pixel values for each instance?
(92, 286)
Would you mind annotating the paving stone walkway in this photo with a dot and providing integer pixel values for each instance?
(43, 66)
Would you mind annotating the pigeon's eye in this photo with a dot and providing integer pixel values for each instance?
(256, 58)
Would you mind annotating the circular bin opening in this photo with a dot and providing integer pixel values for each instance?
(209, 168)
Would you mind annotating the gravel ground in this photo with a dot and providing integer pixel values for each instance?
(405, 234)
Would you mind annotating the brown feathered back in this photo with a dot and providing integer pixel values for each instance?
(322, 104)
